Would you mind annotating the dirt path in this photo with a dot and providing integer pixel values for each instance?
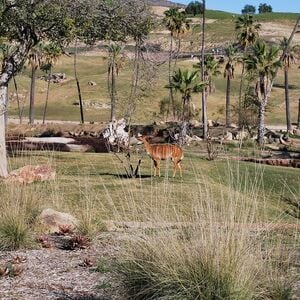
(62, 275)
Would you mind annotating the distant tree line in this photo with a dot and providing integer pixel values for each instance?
(262, 8)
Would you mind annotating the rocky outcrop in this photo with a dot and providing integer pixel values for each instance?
(54, 221)
(76, 144)
(29, 174)
(55, 77)
(281, 162)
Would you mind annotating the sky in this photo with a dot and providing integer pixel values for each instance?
(235, 6)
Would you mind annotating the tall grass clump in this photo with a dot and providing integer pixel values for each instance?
(220, 251)
(88, 211)
(19, 208)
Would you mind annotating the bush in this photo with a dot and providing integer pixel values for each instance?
(14, 232)
(219, 253)
(19, 208)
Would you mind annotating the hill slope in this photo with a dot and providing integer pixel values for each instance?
(164, 3)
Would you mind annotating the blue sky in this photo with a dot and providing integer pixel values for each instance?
(235, 6)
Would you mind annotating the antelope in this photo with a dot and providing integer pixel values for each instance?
(160, 152)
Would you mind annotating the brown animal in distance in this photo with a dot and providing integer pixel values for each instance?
(160, 152)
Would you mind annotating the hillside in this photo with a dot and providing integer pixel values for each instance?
(164, 3)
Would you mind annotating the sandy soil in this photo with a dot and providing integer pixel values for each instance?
(275, 32)
(55, 274)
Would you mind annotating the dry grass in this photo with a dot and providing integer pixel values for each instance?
(62, 96)
(206, 236)
(219, 252)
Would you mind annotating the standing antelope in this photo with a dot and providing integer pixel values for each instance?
(160, 152)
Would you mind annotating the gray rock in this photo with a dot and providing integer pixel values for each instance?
(53, 220)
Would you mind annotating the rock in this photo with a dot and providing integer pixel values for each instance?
(92, 83)
(110, 225)
(195, 123)
(232, 125)
(210, 123)
(54, 77)
(78, 148)
(228, 136)
(50, 140)
(296, 131)
(134, 141)
(242, 135)
(53, 220)
(196, 138)
(29, 174)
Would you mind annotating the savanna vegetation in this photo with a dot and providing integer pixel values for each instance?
(227, 229)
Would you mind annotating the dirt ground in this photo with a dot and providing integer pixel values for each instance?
(55, 274)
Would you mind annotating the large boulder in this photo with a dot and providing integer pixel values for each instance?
(30, 174)
(54, 221)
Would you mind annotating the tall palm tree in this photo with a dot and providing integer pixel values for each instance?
(52, 52)
(247, 30)
(203, 98)
(115, 62)
(35, 57)
(211, 69)
(288, 58)
(263, 63)
(185, 82)
(78, 82)
(177, 23)
(229, 75)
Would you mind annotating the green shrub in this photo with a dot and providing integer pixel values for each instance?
(14, 232)
(219, 253)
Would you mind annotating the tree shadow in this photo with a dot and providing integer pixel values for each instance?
(123, 176)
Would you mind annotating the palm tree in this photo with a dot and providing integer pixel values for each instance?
(52, 52)
(263, 63)
(77, 82)
(185, 82)
(115, 62)
(288, 58)
(203, 100)
(177, 23)
(35, 57)
(211, 69)
(247, 31)
(229, 75)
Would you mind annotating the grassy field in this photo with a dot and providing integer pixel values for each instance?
(103, 178)
(93, 66)
(222, 230)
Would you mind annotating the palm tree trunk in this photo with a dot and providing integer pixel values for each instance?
(261, 120)
(241, 93)
(32, 94)
(3, 157)
(204, 104)
(171, 92)
(113, 95)
(298, 123)
(78, 85)
(47, 96)
(228, 88)
(287, 100)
